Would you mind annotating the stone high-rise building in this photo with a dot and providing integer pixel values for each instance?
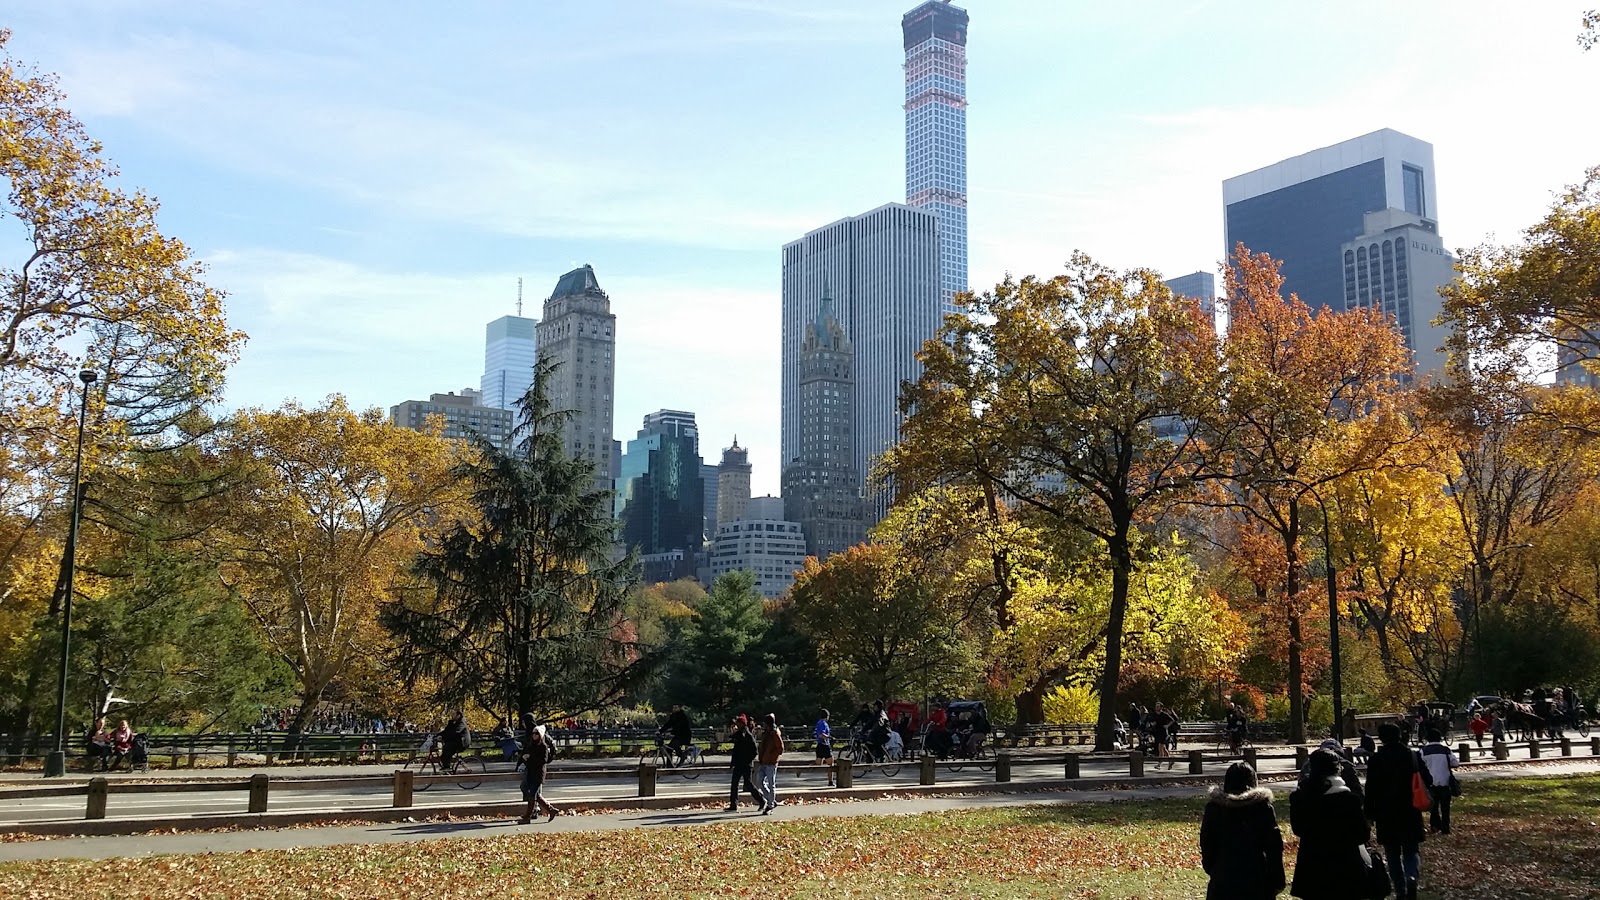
(463, 414)
(822, 488)
(578, 334)
(733, 482)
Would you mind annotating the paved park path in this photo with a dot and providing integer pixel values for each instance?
(407, 832)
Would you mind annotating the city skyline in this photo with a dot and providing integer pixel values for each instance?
(344, 178)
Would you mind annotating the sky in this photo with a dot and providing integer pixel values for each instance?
(367, 181)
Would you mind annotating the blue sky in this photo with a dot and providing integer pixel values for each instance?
(368, 180)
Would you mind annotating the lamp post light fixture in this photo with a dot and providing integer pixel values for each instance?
(55, 762)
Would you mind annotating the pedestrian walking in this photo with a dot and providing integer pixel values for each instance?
(823, 735)
(1332, 862)
(1392, 779)
(1241, 848)
(537, 749)
(1479, 727)
(743, 756)
(767, 756)
(1440, 761)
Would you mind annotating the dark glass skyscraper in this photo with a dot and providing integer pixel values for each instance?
(660, 498)
(936, 131)
(1302, 211)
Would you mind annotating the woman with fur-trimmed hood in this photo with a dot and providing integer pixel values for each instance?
(1241, 847)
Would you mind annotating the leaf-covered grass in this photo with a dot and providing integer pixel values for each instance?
(1522, 838)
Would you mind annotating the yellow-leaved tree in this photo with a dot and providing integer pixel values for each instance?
(333, 507)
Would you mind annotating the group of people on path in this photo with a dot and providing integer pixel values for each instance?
(1335, 816)
(759, 748)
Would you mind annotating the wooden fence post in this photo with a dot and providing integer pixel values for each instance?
(1073, 768)
(1301, 757)
(1135, 764)
(1250, 758)
(258, 792)
(842, 774)
(927, 774)
(1594, 746)
(1566, 746)
(647, 780)
(404, 783)
(1533, 749)
(1002, 766)
(1197, 765)
(1464, 751)
(1502, 750)
(98, 788)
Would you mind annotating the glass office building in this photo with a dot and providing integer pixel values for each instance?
(935, 36)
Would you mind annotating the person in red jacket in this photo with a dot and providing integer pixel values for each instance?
(1479, 726)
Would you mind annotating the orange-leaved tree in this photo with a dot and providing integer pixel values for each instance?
(1309, 399)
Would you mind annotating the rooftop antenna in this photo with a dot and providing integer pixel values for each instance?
(519, 298)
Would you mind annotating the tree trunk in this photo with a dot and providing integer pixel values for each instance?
(1297, 701)
(1121, 570)
(1030, 705)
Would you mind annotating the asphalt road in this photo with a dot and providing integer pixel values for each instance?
(570, 782)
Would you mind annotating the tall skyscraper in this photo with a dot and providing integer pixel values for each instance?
(578, 334)
(880, 270)
(935, 35)
(709, 490)
(1397, 266)
(733, 482)
(1302, 210)
(822, 487)
(510, 346)
(1200, 286)
(660, 499)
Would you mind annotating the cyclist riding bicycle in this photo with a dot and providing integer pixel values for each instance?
(678, 733)
(455, 738)
(1235, 727)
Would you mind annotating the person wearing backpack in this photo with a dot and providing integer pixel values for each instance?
(1241, 848)
(1397, 792)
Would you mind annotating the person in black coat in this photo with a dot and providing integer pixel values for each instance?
(1390, 807)
(743, 755)
(1332, 861)
(1241, 847)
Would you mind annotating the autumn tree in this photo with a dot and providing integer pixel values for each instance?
(524, 602)
(880, 625)
(1309, 399)
(332, 508)
(1074, 397)
(1541, 291)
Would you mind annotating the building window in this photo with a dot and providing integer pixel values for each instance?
(1411, 184)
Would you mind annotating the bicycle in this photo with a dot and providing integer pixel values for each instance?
(470, 767)
(663, 757)
(960, 756)
(863, 758)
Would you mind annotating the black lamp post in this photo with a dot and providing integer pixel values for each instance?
(55, 762)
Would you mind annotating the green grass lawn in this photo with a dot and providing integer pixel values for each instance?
(1521, 838)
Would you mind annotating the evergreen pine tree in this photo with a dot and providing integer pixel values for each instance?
(526, 608)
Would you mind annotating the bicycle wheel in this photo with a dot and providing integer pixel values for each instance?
(693, 766)
(985, 761)
(469, 772)
(426, 767)
(1583, 727)
(891, 766)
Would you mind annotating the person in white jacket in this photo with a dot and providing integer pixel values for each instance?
(1439, 760)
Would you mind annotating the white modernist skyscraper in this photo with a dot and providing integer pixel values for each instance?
(936, 131)
(881, 270)
(510, 346)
